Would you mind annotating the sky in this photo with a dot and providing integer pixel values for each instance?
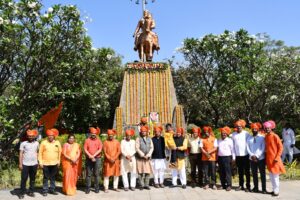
(113, 22)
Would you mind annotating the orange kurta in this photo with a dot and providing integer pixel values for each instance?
(208, 144)
(274, 150)
(71, 171)
(112, 151)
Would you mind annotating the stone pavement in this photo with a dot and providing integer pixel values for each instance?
(289, 190)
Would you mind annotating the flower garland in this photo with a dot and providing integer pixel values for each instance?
(119, 120)
(179, 114)
(170, 96)
(127, 98)
(146, 66)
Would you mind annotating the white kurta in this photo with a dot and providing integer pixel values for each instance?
(128, 148)
(288, 136)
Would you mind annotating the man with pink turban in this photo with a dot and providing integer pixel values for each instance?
(274, 150)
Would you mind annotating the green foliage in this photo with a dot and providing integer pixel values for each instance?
(292, 171)
(235, 75)
(46, 57)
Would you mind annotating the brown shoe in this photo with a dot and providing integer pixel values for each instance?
(116, 190)
(156, 185)
(105, 190)
(126, 189)
(162, 185)
(228, 189)
(220, 188)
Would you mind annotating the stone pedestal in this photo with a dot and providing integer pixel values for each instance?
(147, 87)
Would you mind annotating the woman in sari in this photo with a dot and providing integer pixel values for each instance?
(71, 165)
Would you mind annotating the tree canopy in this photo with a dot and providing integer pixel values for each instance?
(237, 75)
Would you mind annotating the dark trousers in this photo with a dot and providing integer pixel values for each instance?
(196, 164)
(31, 172)
(243, 165)
(93, 168)
(262, 170)
(173, 156)
(144, 179)
(49, 172)
(209, 172)
(225, 171)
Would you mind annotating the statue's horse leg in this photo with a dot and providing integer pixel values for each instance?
(142, 53)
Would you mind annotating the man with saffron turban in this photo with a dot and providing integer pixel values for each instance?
(128, 161)
(92, 149)
(111, 167)
(28, 162)
(209, 146)
(256, 150)
(144, 149)
(49, 160)
(179, 154)
(240, 138)
(226, 156)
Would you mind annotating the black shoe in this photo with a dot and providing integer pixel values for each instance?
(147, 188)
(53, 192)
(44, 193)
(247, 190)
(31, 194)
(173, 186)
(21, 196)
(183, 186)
(132, 189)
(193, 185)
(275, 194)
(141, 187)
(264, 192)
(87, 191)
(97, 191)
(255, 190)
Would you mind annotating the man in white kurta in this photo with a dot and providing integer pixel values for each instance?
(128, 162)
(288, 136)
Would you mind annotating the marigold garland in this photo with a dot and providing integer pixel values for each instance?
(119, 120)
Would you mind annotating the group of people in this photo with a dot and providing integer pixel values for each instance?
(144, 156)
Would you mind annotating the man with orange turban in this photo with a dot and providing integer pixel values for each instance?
(143, 122)
(92, 149)
(195, 157)
(49, 160)
(256, 151)
(128, 161)
(240, 138)
(158, 157)
(144, 148)
(111, 167)
(179, 151)
(226, 156)
(28, 162)
(274, 149)
(209, 145)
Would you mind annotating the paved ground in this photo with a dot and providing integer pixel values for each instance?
(289, 190)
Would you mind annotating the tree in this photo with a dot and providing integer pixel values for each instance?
(46, 57)
(232, 75)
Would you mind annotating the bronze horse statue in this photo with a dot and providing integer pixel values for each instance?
(146, 42)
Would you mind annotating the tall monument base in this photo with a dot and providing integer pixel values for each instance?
(147, 88)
